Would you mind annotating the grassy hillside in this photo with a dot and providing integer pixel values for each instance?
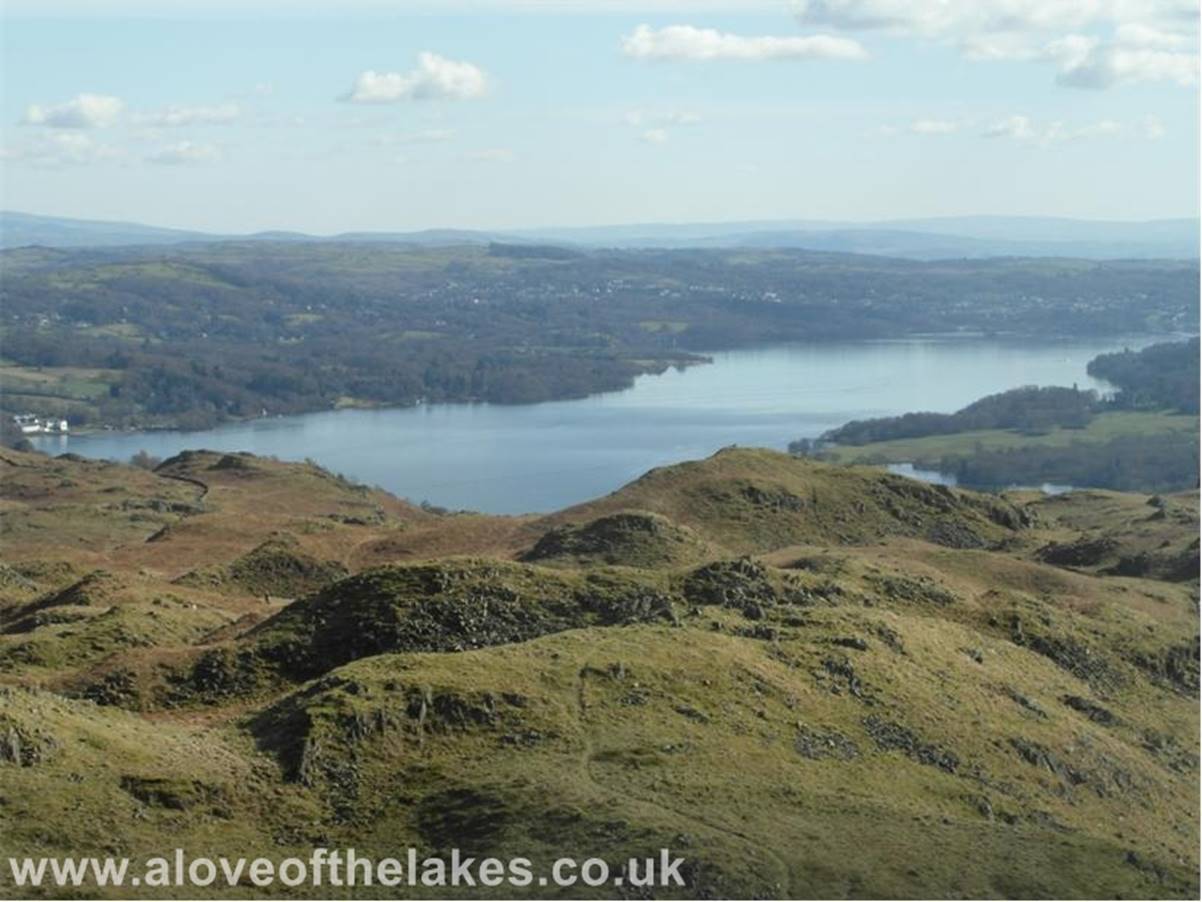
(749, 500)
(808, 680)
(930, 449)
(1128, 449)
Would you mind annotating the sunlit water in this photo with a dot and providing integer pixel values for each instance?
(510, 459)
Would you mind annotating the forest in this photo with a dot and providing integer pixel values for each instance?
(1121, 453)
(1158, 377)
(1127, 463)
(1030, 409)
(194, 334)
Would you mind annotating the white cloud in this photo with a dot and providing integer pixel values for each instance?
(435, 78)
(1092, 43)
(1101, 65)
(1025, 129)
(1134, 54)
(57, 150)
(175, 116)
(1153, 129)
(1068, 51)
(686, 42)
(940, 17)
(995, 47)
(82, 111)
(656, 126)
(1018, 127)
(1100, 129)
(1135, 34)
(290, 8)
(934, 127)
(184, 153)
(79, 149)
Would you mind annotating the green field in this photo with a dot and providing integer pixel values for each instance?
(930, 450)
(71, 392)
(66, 382)
(670, 326)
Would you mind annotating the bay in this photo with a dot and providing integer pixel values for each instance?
(541, 457)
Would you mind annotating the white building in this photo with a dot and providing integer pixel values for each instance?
(32, 424)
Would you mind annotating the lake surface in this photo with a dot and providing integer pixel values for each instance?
(540, 457)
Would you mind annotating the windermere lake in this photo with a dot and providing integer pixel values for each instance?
(540, 457)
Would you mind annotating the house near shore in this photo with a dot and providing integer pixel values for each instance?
(32, 424)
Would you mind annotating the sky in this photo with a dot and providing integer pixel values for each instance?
(392, 115)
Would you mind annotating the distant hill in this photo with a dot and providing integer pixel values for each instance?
(973, 237)
(25, 229)
(934, 246)
(918, 239)
(22, 229)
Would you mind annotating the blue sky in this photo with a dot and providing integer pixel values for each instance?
(366, 114)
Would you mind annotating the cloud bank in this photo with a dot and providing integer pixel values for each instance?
(184, 153)
(177, 116)
(434, 78)
(687, 42)
(1091, 43)
(82, 111)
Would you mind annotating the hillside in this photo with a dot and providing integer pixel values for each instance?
(806, 679)
(1155, 450)
(194, 334)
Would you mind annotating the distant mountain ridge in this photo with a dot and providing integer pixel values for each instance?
(919, 239)
(972, 237)
(25, 229)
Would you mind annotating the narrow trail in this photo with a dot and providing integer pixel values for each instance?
(204, 488)
(196, 483)
(587, 755)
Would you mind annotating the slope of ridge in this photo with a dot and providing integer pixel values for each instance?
(806, 766)
(805, 679)
(753, 500)
(630, 538)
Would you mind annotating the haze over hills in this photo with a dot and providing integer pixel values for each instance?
(919, 239)
(27, 229)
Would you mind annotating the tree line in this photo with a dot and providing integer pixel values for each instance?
(196, 334)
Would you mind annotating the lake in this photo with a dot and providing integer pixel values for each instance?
(540, 457)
